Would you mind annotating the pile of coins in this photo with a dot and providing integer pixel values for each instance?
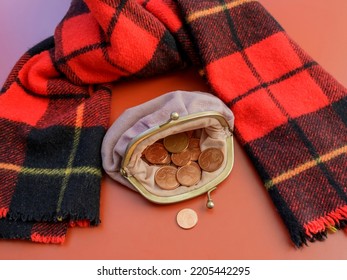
(181, 160)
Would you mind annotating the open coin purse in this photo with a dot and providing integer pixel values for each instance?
(145, 138)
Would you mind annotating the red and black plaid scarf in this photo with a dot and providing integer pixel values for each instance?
(54, 109)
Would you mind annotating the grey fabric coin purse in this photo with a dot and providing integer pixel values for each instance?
(172, 148)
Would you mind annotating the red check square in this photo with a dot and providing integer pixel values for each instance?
(19, 106)
(273, 57)
(230, 77)
(299, 87)
(255, 121)
(131, 55)
(79, 32)
(90, 72)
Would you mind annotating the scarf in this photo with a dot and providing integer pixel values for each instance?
(290, 114)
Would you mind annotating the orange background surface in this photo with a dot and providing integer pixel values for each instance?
(244, 223)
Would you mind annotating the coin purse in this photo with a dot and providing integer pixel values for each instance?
(170, 114)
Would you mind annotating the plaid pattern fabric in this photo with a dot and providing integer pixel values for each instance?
(290, 114)
(50, 135)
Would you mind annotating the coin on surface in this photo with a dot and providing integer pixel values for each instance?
(176, 143)
(156, 154)
(181, 158)
(211, 159)
(188, 175)
(194, 148)
(187, 218)
(165, 177)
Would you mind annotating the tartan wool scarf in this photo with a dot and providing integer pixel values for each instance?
(290, 114)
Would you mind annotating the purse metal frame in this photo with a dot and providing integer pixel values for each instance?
(208, 187)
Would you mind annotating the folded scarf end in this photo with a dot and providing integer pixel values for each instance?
(82, 223)
(36, 237)
(332, 222)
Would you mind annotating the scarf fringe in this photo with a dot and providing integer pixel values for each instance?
(36, 237)
(333, 221)
(73, 221)
(81, 223)
(47, 239)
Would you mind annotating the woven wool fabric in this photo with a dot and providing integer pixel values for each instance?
(290, 114)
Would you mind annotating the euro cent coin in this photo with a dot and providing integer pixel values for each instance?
(211, 159)
(187, 218)
(189, 175)
(156, 154)
(165, 177)
(176, 143)
(181, 158)
(194, 148)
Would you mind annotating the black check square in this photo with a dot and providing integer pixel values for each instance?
(252, 23)
(287, 154)
(221, 44)
(334, 166)
(318, 125)
(81, 199)
(49, 147)
(36, 195)
(331, 88)
(89, 145)
(12, 138)
(305, 204)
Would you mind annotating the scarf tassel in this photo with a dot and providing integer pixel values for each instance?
(333, 221)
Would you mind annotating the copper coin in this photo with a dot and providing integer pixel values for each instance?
(176, 143)
(188, 175)
(187, 218)
(193, 163)
(194, 148)
(165, 177)
(156, 154)
(182, 158)
(211, 159)
(167, 160)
